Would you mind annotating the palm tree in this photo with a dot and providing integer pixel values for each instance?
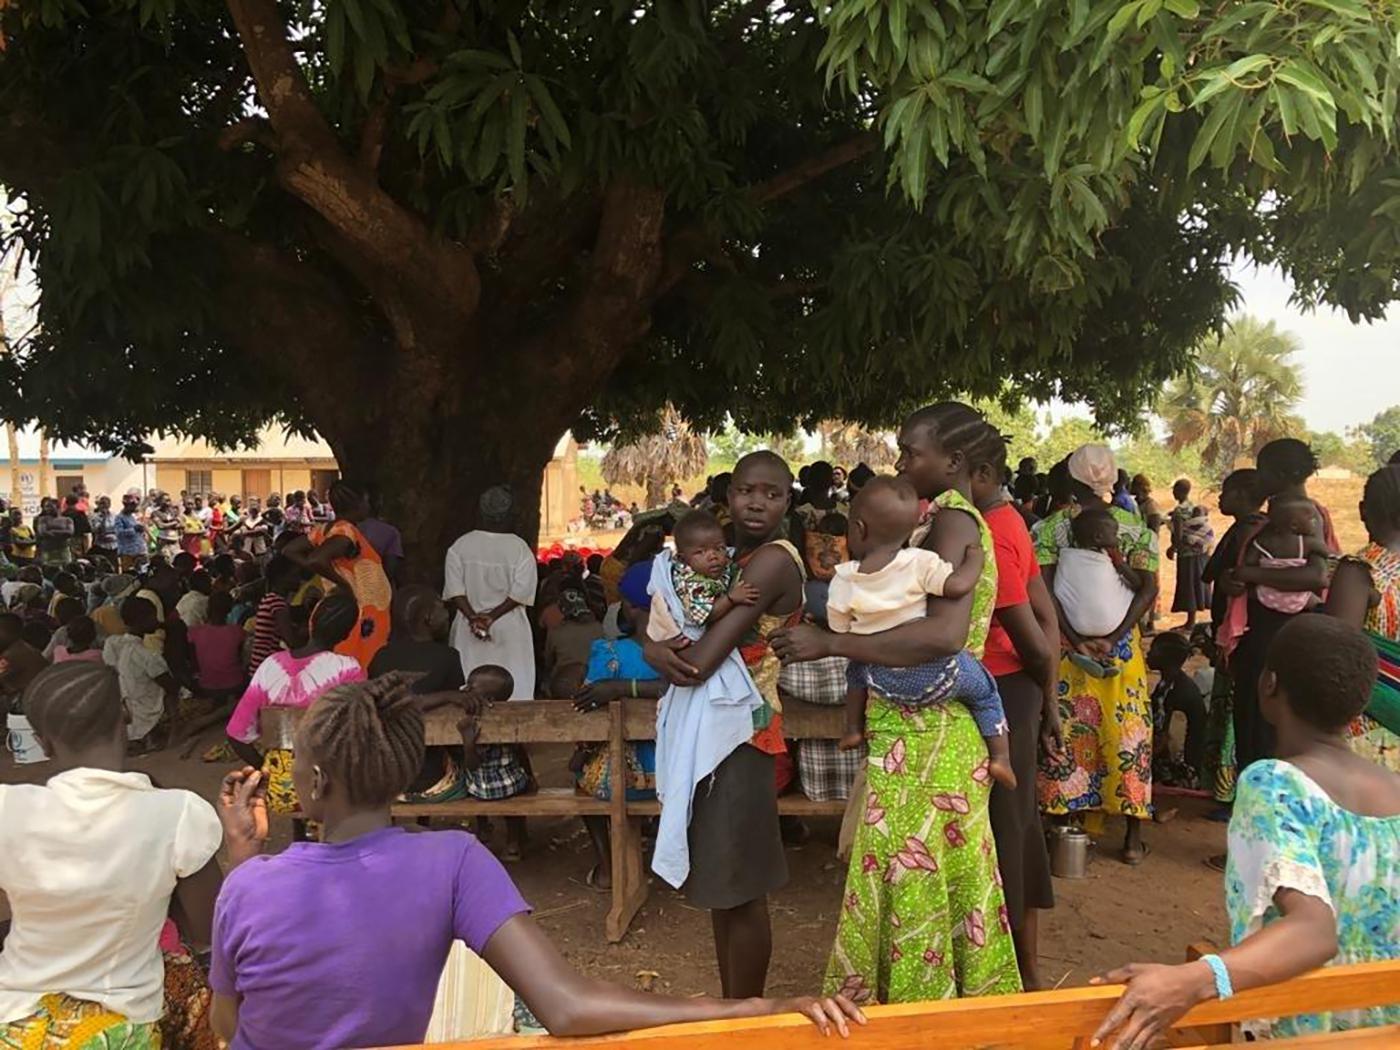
(849, 444)
(672, 453)
(1240, 392)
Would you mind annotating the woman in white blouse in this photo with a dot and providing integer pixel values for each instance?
(90, 862)
(490, 579)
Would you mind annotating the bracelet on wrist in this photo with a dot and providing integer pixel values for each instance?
(1224, 989)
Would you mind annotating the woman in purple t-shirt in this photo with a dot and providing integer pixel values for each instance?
(320, 946)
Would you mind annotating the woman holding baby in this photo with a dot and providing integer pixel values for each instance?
(1105, 705)
(924, 916)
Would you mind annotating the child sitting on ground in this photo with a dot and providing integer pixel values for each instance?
(494, 771)
(218, 651)
(705, 577)
(1094, 585)
(888, 584)
(80, 642)
(1290, 540)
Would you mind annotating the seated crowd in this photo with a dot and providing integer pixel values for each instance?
(916, 601)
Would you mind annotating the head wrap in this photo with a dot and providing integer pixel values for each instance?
(496, 503)
(634, 584)
(1093, 466)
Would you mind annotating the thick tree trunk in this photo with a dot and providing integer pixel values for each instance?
(428, 452)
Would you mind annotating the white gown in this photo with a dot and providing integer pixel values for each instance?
(487, 568)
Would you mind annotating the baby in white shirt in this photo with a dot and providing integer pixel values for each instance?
(889, 584)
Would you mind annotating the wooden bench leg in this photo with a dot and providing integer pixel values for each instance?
(629, 886)
(629, 879)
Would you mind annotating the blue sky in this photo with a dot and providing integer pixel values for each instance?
(1351, 372)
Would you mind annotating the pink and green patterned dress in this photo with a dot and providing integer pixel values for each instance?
(923, 916)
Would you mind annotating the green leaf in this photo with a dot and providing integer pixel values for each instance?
(967, 80)
(1156, 105)
(1184, 8)
(335, 37)
(1223, 110)
(549, 112)
(1244, 66)
(1034, 112)
(1302, 76)
(515, 140)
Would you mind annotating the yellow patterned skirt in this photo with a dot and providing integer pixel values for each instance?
(65, 1023)
(281, 793)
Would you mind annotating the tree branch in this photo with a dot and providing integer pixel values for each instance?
(249, 129)
(415, 264)
(812, 168)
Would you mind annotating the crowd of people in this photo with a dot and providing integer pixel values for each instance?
(990, 634)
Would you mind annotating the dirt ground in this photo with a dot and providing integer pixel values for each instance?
(1115, 915)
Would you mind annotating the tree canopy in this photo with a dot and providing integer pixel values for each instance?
(1382, 435)
(443, 232)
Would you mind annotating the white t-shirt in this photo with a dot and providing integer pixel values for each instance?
(138, 668)
(193, 608)
(89, 862)
(1090, 591)
(871, 602)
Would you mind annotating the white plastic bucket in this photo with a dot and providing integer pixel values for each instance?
(22, 742)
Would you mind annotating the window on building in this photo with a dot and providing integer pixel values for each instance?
(199, 482)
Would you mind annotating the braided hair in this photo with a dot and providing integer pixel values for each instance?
(369, 737)
(961, 428)
(75, 703)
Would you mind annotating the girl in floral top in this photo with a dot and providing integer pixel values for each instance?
(1314, 870)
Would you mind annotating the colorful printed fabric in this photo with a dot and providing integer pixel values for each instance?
(277, 772)
(764, 666)
(1287, 833)
(65, 1023)
(1369, 738)
(923, 915)
(1107, 763)
(698, 592)
(1137, 542)
(185, 1025)
(1221, 769)
(364, 573)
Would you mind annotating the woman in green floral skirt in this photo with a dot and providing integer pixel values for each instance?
(923, 915)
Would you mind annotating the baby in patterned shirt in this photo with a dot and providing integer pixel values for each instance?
(707, 581)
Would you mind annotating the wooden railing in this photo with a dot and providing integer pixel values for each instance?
(1058, 1020)
(556, 722)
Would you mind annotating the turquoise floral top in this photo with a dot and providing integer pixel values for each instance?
(1137, 542)
(1287, 833)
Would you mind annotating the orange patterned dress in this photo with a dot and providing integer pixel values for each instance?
(365, 574)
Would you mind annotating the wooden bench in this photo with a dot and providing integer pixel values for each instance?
(556, 722)
(1058, 1020)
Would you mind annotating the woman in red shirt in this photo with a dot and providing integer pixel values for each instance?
(1022, 654)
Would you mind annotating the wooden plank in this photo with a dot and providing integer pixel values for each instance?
(794, 805)
(522, 722)
(547, 802)
(1358, 1039)
(1007, 1022)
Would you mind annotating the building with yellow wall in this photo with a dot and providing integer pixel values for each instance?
(280, 463)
